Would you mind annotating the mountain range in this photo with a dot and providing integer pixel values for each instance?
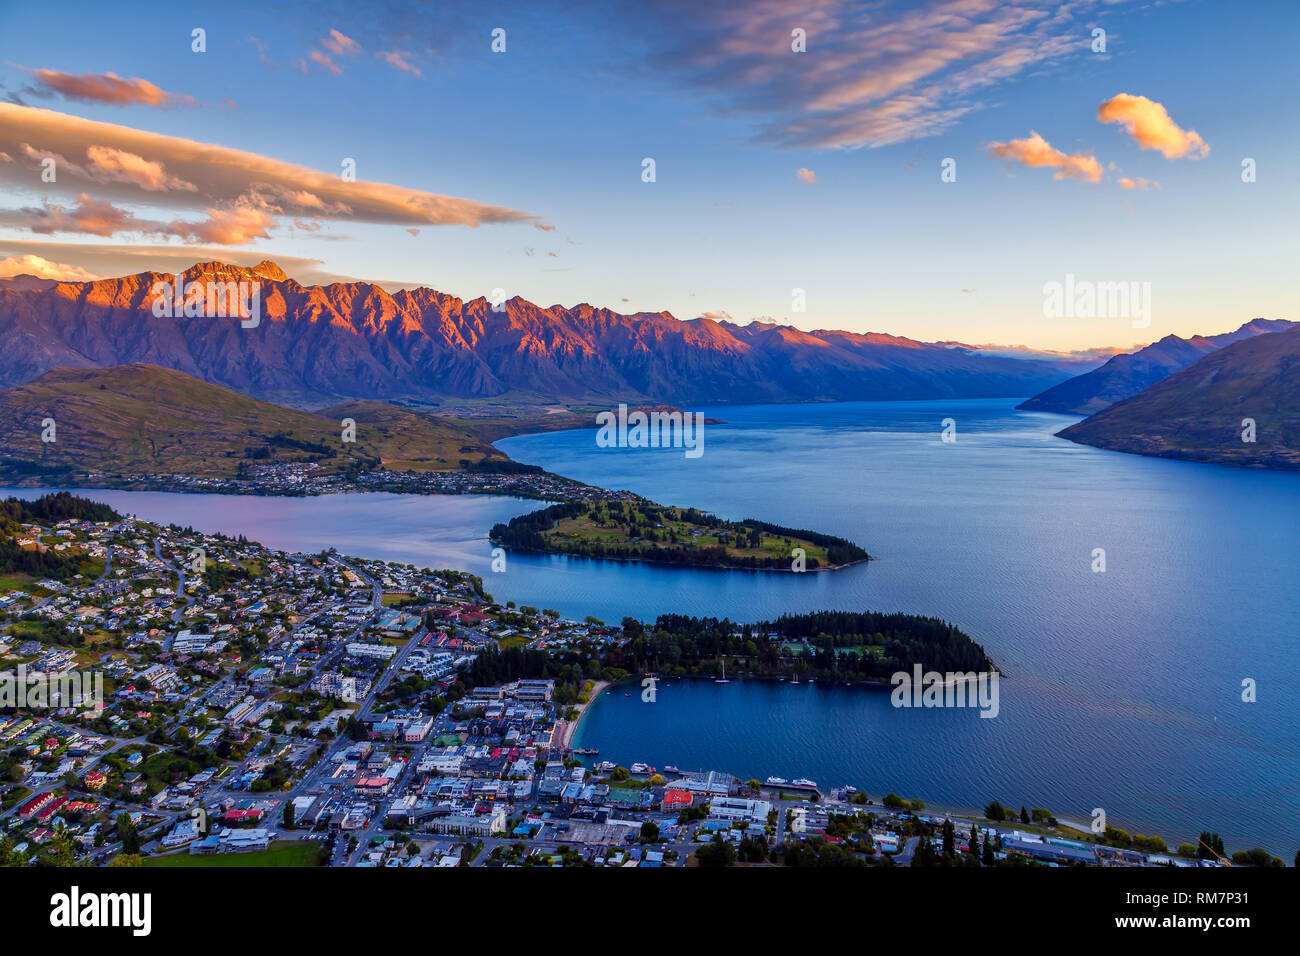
(316, 345)
(1127, 374)
(1239, 405)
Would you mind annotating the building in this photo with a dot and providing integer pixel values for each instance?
(740, 810)
(485, 825)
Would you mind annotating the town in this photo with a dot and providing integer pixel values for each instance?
(312, 478)
(320, 709)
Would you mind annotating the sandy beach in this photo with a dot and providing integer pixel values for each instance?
(569, 727)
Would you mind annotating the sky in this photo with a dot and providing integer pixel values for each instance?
(917, 168)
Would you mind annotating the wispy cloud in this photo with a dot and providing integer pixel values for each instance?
(133, 165)
(105, 88)
(871, 74)
(340, 44)
(1035, 152)
(399, 61)
(1151, 127)
(806, 176)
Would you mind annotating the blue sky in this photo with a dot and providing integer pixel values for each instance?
(550, 135)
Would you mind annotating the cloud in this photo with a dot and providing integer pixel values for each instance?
(116, 164)
(399, 61)
(126, 162)
(872, 74)
(806, 176)
(95, 217)
(337, 43)
(106, 88)
(98, 217)
(318, 57)
(234, 227)
(341, 45)
(43, 269)
(545, 227)
(1138, 183)
(1034, 152)
(1151, 127)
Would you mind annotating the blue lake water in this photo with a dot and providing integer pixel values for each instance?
(1122, 689)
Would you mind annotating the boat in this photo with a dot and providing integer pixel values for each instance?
(723, 678)
(804, 782)
(642, 768)
(671, 768)
(586, 751)
(777, 781)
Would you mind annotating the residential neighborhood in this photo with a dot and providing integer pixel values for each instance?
(360, 713)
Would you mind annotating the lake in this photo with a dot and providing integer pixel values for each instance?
(1122, 689)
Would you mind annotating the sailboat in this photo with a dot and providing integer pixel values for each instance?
(723, 678)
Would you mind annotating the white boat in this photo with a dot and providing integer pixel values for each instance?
(777, 781)
(805, 782)
(642, 768)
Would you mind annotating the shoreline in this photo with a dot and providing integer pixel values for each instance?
(570, 729)
(688, 567)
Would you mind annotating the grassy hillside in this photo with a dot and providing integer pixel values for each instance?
(1198, 413)
(136, 420)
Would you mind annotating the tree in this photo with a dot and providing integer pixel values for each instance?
(1024, 815)
(973, 847)
(949, 838)
(1210, 846)
(125, 859)
(619, 773)
(988, 858)
(288, 814)
(649, 832)
(128, 834)
(718, 853)
(994, 811)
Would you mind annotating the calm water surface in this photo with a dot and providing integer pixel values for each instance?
(1122, 689)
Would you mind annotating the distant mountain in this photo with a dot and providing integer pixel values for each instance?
(1126, 375)
(1199, 413)
(27, 283)
(322, 344)
(1072, 363)
(142, 420)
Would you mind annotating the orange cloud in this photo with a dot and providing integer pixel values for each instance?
(1138, 183)
(318, 57)
(107, 88)
(230, 228)
(806, 176)
(43, 269)
(1151, 127)
(399, 61)
(95, 217)
(222, 178)
(1034, 151)
(128, 167)
(341, 44)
